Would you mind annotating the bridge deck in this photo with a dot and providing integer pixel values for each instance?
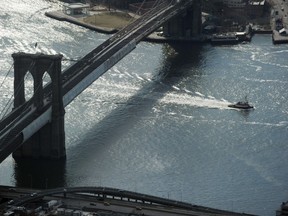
(24, 121)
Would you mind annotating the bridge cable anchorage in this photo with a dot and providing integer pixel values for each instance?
(8, 104)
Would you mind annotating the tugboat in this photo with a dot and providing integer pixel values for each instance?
(241, 105)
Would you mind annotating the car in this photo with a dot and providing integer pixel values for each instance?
(106, 203)
(33, 194)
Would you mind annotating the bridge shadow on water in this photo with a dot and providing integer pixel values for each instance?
(176, 59)
(40, 174)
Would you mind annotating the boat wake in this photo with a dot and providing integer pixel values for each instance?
(119, 93)
(176, 97)
(197, 100)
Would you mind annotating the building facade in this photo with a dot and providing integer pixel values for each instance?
(244, 8)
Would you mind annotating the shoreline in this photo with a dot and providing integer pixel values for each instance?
(59, 15)
(154, 37)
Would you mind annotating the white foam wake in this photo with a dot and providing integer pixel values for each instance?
(196, 101)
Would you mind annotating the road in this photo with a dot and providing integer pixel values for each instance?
(95, 199)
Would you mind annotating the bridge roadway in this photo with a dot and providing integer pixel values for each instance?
(23, 122)
(109, 199)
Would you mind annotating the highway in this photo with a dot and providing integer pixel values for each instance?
(107, 199)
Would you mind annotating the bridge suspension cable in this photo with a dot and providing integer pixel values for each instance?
(8, 104)
(27, 105)
(6, 75)
(156, 3)
(142, 4)
(20, 126)
(4, 81)
(137, 12)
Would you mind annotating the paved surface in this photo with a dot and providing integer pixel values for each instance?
(280, 11)
(100, 199)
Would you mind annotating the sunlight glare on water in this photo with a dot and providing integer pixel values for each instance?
(158, 122)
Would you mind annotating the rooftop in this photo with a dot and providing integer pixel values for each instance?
(76, 6)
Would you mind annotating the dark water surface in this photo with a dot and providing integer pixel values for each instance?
(158, 122)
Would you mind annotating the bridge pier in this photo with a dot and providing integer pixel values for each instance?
(49, 141)
(187, 25)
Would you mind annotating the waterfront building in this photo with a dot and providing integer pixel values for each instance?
(76, 9)
(235, 3)
(244, 8)
(256, 8)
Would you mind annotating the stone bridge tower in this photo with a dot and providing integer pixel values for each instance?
(49, 141)
(187, 25)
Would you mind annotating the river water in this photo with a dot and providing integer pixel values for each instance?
(158, 122)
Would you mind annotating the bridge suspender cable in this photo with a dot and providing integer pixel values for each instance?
(83, 74)
(137, 12)
(8, 104)
(142, 4)
(6, 75)
(4, 81)
(27, 105)
(156, 3)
